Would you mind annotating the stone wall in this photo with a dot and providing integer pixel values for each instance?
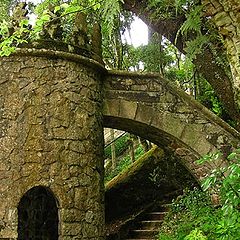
(51, 136)
(225, 14)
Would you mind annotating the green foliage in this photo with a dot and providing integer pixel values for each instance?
(224, 179)
(121, 145)
(195, 234)
(193, 21)
(191, 200)
(4, 9)
(64, 11)
(188, 213)
(11, 41)
(110, 12)
(195, 46)
(115, 52)
(123, 164)
(194, 217)
(209, 99)
(193, 27)
(163, 8)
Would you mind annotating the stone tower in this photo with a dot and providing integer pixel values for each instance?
(51, 138)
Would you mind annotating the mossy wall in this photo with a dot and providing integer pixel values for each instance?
(51, 136)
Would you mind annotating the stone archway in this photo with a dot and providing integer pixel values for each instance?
(38, 215)
(151, 107)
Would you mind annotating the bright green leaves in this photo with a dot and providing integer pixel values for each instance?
(69, 9)
(209, 158)
(47, 11)
(228, 227)
(193, 21)
(95, 4)
(110, 12)
(196, 234)
(4, 29)
(11, 41)
(194, 217)
(224, 179)
(192, 29)
(37, 28)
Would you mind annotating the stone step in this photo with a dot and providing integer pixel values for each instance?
(162, 207)
(155, 216)
(143, 234)
(165, 207)
(149, 224)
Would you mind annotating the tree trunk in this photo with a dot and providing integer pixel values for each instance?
(205, 62)
(225, 14)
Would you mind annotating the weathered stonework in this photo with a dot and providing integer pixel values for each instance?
(151, 107)
(225, 14)
(51, 135)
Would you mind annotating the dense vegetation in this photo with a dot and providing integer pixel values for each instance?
(193, 215)
(122, 155)
(187, 47)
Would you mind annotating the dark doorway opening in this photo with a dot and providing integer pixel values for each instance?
(38, 215)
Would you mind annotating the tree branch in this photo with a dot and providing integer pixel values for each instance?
(214, 74)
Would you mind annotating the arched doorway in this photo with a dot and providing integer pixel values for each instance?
(38, 215)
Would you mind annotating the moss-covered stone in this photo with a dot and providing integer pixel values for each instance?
(152, 177)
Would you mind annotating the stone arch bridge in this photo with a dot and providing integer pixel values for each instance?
(55, 98)
(153, 108)
(54, 105)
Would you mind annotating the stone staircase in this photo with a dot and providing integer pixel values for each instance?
(147, 225)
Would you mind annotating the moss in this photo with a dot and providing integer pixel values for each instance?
(133, 169)
(156, 176)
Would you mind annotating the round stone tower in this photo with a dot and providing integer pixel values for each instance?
(51, 138)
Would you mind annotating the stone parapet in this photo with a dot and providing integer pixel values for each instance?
(153, 108)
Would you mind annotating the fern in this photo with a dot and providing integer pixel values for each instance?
(195, 46)
(192, 26)
(111, 10)
(193, 22)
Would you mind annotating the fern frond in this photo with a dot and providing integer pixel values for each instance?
(195, 46)
(111, 10)
(193, 21)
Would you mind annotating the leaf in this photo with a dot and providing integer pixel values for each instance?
(206, 183)
(232, 156)
(57, 8)
(72, 9)
(64, 5)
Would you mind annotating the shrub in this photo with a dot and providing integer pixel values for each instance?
(194, 217)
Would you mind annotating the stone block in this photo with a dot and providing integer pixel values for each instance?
(127, 109)
(222, 19)
(144, 113)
